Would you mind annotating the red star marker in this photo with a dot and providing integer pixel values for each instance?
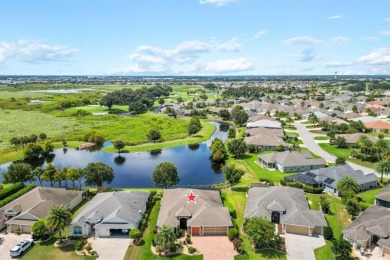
(191, 197)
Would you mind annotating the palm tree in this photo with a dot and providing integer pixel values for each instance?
(38, 172)
(165, 237)
(58, 219)
(383, 167)
(289, 120)
(314, 119)
(347, 185)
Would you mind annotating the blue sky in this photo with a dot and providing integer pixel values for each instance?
(194, 37)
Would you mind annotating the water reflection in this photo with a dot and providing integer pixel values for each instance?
(193, 147)
(223, 127)
(119, 160)
(156, 152)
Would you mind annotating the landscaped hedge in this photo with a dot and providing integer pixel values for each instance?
(14, 188)
(299, 185)
(310, 189)
(270, 182)
(17, 195)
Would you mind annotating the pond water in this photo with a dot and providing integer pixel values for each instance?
(135, 169)
(62, 91)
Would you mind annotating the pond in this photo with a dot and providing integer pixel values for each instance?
(62, 91)
(135, 169)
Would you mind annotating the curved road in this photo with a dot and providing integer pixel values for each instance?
(308, 139)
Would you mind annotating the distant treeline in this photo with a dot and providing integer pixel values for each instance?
(138, 100)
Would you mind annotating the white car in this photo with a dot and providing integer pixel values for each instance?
(21, 247)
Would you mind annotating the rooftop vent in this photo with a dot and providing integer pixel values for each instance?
(140, 211)
(133, 201)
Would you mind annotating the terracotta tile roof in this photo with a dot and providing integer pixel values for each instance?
(377, 125)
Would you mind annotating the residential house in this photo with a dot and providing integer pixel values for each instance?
(287, 208)
(378, 126)
(328, 178)
(370, 227)
(266, 138)
(365, 119)
(111, 214)
(352, 139)
(24, 211)
(200, 212)
(383, 197)
(291, 161)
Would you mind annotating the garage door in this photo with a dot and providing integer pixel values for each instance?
(297, 230)
(195, 231)
(215, 231)
(26, 229)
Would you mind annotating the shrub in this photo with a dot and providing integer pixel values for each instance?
(283, 183)
(180, 232)
(135, 233)
(18, 231)
(328, 233)
(269, 181)
(232, 233)
(172, 249)
(192, 250)
(93, 252)
(88, 247)
(188, 240)
(78, 245)
(308, 189)
(102, 189)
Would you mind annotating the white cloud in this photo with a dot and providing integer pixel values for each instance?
(339, 40)
(370, 39)
(386, 19)
(216, 2)
(386, 33)
(301, 40)
(228, 66)
(307, 56)
(379, 56)
(230, 46)
(335, 17)
(185, 58)
(337, 64)
(34, 51)
(260, 33)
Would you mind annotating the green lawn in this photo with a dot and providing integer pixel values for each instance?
(204, 134)
(369, 196)
(324, 252)
(317, 132)
(321, 138)
(345, 152)
(47, 251)
(143, 251)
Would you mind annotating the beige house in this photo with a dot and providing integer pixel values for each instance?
(24, 211)
(206, 215)
(287, 208)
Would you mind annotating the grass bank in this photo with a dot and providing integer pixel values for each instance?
(203, 135)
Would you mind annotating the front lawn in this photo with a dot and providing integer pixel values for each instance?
(345, 152)
(321, 138)
(143, 251)
(47, 250)
(369, 196)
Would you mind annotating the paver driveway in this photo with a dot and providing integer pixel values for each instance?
(7, 242)
(110, 248)
(301, 247)
(214, 247)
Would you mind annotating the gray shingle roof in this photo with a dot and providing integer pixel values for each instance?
(384, 194)
(292, 158)
(110, 208)
(290, 201)
(38, 202)
(207, 211)
(354, 138)
(375, 219)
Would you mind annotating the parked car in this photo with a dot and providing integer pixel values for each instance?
(21, 247)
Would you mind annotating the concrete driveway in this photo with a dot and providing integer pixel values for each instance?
(7, 242)
(214, 247)
(110, 248)
(301, 247)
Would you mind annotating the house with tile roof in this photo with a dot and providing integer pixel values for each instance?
(352, 139)
(205, 215)
(24, 211)
(327, 178)
(378, 126)
(265, 138)
(370, 227)
(291, 161)
(111, 214)
(287, 208)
